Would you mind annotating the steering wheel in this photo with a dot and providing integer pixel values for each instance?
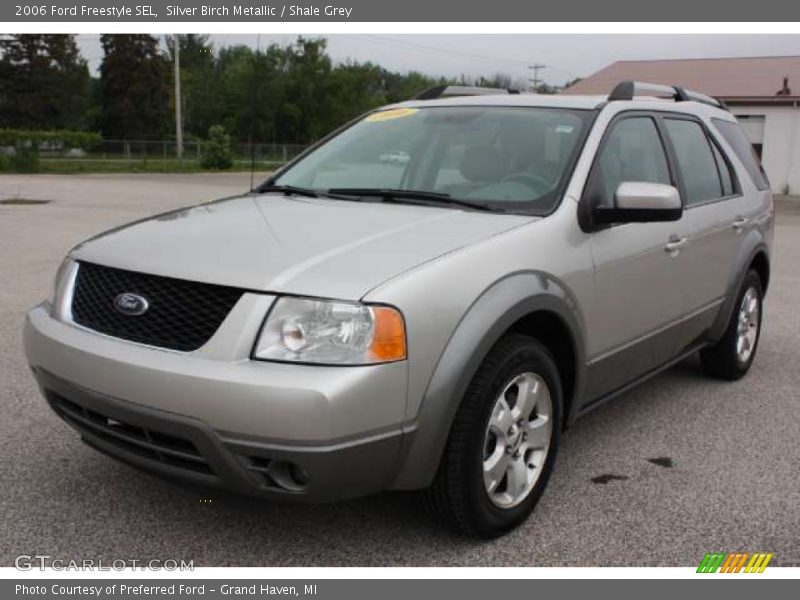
(537, 182)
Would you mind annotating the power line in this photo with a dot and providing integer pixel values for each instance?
(437, 49)
(416, 46)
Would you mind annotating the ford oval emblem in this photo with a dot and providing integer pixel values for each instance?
(131, 304)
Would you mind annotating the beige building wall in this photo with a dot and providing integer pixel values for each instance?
(781, 143)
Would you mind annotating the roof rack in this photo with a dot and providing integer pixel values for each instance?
(628, 90)
(448, 91)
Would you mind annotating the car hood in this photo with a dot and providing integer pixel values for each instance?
(275, 243)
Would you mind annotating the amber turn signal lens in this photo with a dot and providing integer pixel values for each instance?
(389, 341)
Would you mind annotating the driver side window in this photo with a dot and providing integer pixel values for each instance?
(632, 152)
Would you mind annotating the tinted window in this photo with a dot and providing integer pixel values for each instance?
(695, 160)
(632, 152)
(725, 175)
(733, 134)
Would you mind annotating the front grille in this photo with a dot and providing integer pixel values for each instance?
(181, 315)
(168, 449)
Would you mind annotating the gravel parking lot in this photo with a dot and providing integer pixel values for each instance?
(728, 478)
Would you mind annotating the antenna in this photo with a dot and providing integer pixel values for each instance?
(257, 83)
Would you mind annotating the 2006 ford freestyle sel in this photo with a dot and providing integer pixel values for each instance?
(423, 300)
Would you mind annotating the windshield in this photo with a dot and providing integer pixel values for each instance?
(509, 158)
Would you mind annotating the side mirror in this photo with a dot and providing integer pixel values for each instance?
(641, 202)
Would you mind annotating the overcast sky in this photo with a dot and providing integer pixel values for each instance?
(565, 56)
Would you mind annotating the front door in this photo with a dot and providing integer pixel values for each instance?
(639, 292)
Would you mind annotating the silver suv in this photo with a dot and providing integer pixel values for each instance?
(433, 321)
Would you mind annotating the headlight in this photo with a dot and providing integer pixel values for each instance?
(336, 333)
(61, 296)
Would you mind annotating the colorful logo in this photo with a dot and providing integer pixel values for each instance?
(735, 562)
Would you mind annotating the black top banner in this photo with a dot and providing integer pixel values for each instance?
(175, 11)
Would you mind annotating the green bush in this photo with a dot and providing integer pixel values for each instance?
(26, 159)
(217, 150)
(27, 142)
(62, 137)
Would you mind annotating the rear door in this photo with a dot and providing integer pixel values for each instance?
(639, 299)
(713, 204)
(756, 204)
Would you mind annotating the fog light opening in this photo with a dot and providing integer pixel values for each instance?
(300, 475)
(289, 476)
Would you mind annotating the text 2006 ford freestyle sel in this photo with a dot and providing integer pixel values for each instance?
(424, 300)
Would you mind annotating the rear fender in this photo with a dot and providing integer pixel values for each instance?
(750, 248)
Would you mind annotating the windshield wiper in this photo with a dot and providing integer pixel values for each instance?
(289, 190)
(409, 196)
(293, 190)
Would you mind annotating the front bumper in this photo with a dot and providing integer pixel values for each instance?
(207, 417)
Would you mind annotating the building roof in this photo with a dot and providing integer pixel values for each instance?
(732, 79)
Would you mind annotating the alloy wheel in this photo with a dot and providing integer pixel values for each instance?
(517, 440)
(748, 324)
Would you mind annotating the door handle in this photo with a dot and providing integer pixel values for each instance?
(739, 223)
(675, 244)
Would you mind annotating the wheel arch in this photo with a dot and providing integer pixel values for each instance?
(532, 303)
(550, 328)
(754, 254)
(760, 263)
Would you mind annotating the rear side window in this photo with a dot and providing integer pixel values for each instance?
(733, 134)
(696, 160)
(632, 152)
(725, 175)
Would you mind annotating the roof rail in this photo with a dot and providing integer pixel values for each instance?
(628, 90)
(448, 91)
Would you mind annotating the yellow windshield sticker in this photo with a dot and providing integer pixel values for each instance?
(388, 115)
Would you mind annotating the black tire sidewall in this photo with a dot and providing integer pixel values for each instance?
(526, 356)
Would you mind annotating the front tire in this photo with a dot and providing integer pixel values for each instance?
(731, 357)
(502, 443)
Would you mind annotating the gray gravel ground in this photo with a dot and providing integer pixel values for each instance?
(735, 447)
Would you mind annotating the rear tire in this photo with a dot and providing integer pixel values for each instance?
(731, 357)
(503, 441)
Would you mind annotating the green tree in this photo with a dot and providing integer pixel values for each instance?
(400, 87)
(265, 89)
(134, 87)
(44, 82)
(247, 88)
(230, 83)
(302, 114)
(355, 88)
(544, 88)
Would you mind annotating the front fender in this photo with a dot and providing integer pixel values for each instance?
(486, 320)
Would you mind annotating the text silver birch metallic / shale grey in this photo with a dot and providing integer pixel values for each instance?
(260, 10)
(422, 301)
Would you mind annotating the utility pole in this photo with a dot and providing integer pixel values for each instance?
(178, 117)
(535, 79)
